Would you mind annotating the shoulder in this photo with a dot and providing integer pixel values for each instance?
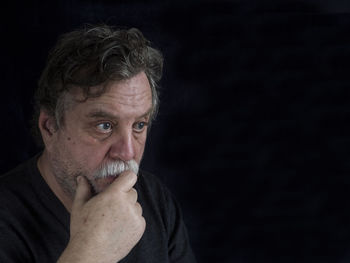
(16, 188)
(13, 182)
(18, 176)
(20, 220)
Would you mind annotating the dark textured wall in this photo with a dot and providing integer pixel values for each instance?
(253, 131)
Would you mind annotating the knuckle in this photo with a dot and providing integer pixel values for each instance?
(134, 191)
(138, 208)
(143, 223)
(140, 224)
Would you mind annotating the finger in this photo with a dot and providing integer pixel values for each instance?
(125, 181)
(82, 193)
(133, 195)
(138, 209)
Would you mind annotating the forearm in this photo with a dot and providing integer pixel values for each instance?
(75, 254)
(79, 252)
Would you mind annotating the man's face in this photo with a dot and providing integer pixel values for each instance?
(101, 131)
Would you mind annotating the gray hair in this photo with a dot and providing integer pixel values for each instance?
(93, 56)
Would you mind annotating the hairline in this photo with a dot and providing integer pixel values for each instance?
(66, 100)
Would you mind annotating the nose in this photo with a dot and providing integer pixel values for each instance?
(123, 146)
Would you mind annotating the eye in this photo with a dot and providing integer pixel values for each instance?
(140, 126)
(104, 127)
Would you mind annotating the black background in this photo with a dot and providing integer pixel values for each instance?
(253, 131)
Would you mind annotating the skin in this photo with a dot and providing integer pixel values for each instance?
(106, 219)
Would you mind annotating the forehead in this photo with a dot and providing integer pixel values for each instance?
(131, 95)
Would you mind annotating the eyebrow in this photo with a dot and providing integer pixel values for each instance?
(104, 114)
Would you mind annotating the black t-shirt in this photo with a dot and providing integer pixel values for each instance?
(34, 224)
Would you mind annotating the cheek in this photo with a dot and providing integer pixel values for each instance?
(84, 152)
(140, 146)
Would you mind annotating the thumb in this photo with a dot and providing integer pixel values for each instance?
(124, 182)
(82, 193)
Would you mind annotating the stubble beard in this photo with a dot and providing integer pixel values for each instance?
(65, 175)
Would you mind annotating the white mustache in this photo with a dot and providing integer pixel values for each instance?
(116, 168)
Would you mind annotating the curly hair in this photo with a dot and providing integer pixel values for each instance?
(91, 57)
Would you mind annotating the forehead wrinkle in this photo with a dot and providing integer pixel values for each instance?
(100, 113)
(132, 98)
(117, 98)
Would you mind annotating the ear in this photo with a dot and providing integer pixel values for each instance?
(47, 126)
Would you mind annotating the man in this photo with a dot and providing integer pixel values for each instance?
(82, 199)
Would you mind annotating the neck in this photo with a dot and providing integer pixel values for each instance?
(45, 171)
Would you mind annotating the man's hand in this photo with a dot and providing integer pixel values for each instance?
(106, 227)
